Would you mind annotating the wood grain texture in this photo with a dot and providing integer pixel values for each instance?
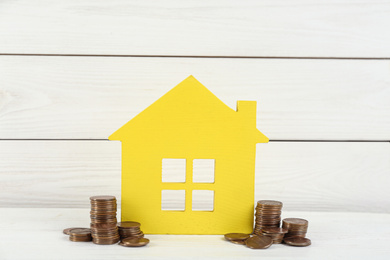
(307, 176)
(90, 98)
(300, 28)
(42, 228)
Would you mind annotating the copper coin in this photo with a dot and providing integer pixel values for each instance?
(296, 221)
(238, 242)
(102, 198)
(270, 202)
(134, 242)
(80, 232)
(66, 231)
(274, 230)
(258, 242)
(297, 241)
(129, 224)
(236, 236)
(105, 241)
(80, 238)
(103, 225)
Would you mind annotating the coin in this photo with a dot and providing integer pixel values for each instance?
(102, 198)
(267, 214)
(297, 241)
(295, 226)
(80, 231)
(134, 242)
(236, 236)
(274, 230)
(129, 224)
(103, 220)
(80, 235)
(270, 203)
(67, 230)
(130, 229)
(296, 221)
(258, 242)
(238, 242)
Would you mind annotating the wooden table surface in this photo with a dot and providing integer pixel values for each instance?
(36, 233)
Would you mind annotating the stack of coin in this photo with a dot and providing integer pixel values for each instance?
(80, 235)
(130, 229)
(103, 220)
(267, 215)
(277, 234)
(297, 227)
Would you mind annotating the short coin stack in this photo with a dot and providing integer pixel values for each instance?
(80, 235)
(297, 227)
(267, 215)
(103, 220)
(130, 229)
(277, 234)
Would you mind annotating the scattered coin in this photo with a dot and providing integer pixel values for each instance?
(297, 241)
(258, 242)
(238, 242)
(236, 236)
(134, 242)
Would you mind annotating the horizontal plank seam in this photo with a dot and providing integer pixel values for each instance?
(276, 140)
(286, 211)
(192, 57)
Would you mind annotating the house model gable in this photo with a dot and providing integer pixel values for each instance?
(190, 124)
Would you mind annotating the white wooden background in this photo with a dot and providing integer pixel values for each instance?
(72, 72)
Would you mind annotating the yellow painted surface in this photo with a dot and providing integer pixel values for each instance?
(189, 122)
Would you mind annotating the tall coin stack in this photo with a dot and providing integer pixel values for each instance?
(130, 229)
(103, 220)
(297, 227)
(267, 215)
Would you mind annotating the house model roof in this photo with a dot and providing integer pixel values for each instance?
(190, 108)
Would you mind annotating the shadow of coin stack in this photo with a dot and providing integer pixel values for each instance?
(104, 228)
(297, 227)
(267, 215)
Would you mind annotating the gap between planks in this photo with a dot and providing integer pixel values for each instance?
(314, 141)
(190, 56)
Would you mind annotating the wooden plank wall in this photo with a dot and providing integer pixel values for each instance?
(72, 72)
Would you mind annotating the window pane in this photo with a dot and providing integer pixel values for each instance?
(203, 170)
(173, 170)
(203, 200)
(173, 200)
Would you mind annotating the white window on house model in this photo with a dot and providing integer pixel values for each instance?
(183, 180)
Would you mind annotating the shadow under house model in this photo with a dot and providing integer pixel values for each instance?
(189, 131)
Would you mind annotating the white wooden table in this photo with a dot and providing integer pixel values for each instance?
(36, 233)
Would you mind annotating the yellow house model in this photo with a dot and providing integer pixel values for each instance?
(189, 148)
